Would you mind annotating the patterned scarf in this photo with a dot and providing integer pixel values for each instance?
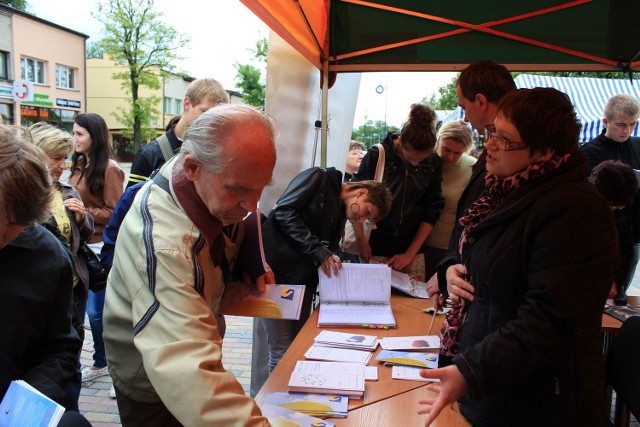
(496, 189)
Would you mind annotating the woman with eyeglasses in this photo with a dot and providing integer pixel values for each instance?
(302, 233)
(538, 252)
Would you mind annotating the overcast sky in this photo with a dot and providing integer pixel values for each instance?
(223, 31)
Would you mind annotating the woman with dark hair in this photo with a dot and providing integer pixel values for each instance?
(413, 173)
(538, 252)
(100, 181)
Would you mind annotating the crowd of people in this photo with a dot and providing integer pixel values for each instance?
(526, 241)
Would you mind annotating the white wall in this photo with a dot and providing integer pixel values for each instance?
(293, 99)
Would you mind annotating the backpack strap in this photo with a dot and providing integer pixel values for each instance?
(165, 147)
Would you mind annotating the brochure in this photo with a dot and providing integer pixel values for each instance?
(24, 405)
(410, 358)
(346, 340)
(333, 354)
(317, 405)
(425, 342)
(622, 312)
(278, 301)
(328, 378)
(283, 417)
(358, 296)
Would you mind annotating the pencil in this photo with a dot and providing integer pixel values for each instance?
(432, 319)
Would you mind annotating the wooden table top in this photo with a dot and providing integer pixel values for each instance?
(386, 397)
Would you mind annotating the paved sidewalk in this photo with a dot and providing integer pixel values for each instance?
(102, 411)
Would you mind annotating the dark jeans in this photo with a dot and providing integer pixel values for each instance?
(95, 305)
(72, 390)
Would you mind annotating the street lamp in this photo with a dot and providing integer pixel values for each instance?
(380, 89)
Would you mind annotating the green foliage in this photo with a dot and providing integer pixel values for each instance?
(249, 77)
(16, 4)
(446, 98)
(147, 47)
(145, 109)
(95, 50)
(372, 132)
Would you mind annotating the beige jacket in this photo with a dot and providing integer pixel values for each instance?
(160, 316)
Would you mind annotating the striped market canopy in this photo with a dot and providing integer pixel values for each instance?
(589, 96)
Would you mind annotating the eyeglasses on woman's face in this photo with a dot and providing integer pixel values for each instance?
(503, 144)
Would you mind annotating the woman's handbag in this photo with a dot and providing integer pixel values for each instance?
(97, 273)
(349, 243)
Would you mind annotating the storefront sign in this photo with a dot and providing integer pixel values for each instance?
(23, 91)
(6, 91)
(71, 103)
(40, 99)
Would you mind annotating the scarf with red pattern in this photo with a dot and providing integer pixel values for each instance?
(496, 189)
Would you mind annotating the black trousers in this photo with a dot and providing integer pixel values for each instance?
(137, 414)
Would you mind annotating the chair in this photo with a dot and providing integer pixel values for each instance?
(623, 370)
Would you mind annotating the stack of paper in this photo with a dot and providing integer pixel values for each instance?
(346, 340)
(425, 342)
(333, 354)
(328, 378)
(316, 405)
(409, 358)
(283, 417)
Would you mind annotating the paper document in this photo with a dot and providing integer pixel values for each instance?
(278, 301)
(358, 296)
(328, 377)
(24, 405)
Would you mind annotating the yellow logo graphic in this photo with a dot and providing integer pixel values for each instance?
(287, 293)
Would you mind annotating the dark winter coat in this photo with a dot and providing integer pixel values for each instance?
(542, 264)
(417, 197)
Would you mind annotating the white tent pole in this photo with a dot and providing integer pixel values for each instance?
(325, 109)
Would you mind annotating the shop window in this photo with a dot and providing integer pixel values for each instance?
(65, 77)
(32, 70)
(4, 65)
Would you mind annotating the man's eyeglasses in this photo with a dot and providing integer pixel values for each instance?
(502, 143)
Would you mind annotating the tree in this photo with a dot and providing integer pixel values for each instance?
(95, 50)
(447, 99)
(249, 77)
(16, 4)
(147, 48)
(372, 132)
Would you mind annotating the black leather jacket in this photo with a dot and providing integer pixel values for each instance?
(417, 197)
(305, 226)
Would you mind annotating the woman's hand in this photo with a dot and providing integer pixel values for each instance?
(332, 263)
(400, 261)
(452, 386)
(433, 290)
(457, 286)
(77, 207)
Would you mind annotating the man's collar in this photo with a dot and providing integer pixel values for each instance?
(196, 210)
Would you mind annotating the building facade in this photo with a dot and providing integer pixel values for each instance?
(42, 70)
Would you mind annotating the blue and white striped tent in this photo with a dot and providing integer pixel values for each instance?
(589, 96)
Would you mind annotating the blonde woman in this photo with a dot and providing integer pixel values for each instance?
(69, 219)
(453, 144)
